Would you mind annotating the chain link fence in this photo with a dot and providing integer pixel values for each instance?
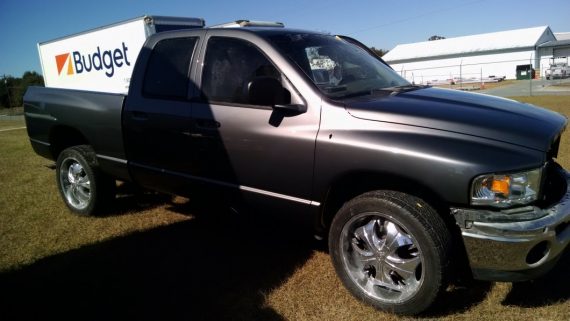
(539, 73)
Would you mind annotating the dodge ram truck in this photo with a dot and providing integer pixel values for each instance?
(395, 176)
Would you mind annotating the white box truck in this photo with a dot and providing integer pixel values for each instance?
(102, 59)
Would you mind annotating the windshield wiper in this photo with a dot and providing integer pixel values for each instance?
(380, 91)
(334, 89)
(397, 89)
(357, 94)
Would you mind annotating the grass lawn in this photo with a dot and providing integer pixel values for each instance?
(159, 257)
(6, 125)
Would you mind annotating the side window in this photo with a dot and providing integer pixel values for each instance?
(167, 70)
(229, 67)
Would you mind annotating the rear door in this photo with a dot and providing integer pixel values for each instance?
(157, 115)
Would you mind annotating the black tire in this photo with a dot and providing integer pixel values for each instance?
(391, 250)
(83, 187)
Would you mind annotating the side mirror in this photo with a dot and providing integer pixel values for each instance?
(267, 91)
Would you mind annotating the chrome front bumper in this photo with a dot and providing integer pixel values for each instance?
(514, 245)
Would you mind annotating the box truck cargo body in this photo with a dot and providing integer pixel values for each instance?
(102, 59)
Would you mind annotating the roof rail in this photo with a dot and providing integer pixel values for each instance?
(249, 23)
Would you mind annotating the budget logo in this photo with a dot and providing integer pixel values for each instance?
(106, 60)
(61, 61)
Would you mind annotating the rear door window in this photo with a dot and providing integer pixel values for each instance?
(168, 68)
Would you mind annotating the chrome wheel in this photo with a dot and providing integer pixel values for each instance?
(75, 184)
(381, 257)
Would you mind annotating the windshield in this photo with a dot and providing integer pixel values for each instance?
(338, 68)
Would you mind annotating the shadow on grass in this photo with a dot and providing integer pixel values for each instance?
(131, 198)
(217, 265)
(551, 288)
(214, 266)
(458, 298)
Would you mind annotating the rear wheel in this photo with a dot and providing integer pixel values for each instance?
(390, 250)
(83, 187)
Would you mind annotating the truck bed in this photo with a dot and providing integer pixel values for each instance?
(54, 115)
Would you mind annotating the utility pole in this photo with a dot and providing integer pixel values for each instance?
(461, 74)
(530, 77)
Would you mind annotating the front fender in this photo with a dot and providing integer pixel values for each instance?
(444, 162)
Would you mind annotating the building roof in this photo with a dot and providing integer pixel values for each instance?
(555, 43)
(562, 35)
(511, 39)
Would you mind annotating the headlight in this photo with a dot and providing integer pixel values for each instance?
(505, 190)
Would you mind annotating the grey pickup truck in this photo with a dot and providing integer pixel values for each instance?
(403, 180)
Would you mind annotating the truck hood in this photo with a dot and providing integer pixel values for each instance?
(466, 113)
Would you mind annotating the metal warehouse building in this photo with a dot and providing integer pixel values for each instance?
(483, 56)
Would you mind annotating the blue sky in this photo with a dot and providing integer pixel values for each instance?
(382, 24)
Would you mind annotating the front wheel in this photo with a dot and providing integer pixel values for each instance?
(390, 250)
(85, 190)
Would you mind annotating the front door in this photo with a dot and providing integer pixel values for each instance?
(260, 150)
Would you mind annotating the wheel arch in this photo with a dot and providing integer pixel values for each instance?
(62, 137)
(352, 184)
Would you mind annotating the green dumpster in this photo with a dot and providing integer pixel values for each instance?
(525, 72)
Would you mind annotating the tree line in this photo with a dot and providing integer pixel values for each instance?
(12, 89)
(379, 52)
